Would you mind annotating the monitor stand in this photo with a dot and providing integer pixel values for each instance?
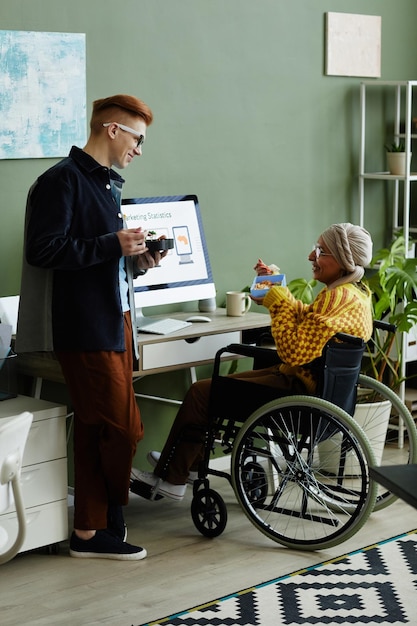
(140, 316)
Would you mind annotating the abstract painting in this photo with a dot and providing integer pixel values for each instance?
(42, 93)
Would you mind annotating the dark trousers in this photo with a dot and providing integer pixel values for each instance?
(107, 427)
(182, 454)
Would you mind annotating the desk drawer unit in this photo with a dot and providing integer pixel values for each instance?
(46, 525)
(43, 483)
(44, 474)
(46, 441)
(183, 352)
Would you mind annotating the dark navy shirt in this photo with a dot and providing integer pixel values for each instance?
(72, 220)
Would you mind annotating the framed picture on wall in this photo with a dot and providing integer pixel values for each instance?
(42, 93)
(353, 45)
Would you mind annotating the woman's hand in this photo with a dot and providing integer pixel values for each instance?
(261, 268)
(259, 301)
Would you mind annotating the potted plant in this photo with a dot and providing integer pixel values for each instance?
(396, 158)
(393, 283)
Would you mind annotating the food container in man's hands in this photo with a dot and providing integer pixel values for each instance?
(262, 284)
(160, 245)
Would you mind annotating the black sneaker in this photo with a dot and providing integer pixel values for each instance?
(116, 522)
(105, 545)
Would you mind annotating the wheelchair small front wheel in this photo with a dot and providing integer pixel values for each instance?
(209, 513)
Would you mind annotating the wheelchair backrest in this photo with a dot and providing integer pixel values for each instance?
(338, 371)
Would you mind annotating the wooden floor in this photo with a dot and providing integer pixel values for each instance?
(183, 569)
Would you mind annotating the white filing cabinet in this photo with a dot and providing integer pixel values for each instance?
(44, 474)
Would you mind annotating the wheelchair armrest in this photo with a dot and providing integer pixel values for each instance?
(350, 339)
(269, 355)
(390, 328)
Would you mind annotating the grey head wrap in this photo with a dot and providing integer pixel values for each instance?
(351, 246)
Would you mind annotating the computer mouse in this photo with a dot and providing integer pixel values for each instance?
(198, 318)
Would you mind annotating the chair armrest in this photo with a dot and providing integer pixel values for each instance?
(267, 355)
(390, 328)
(350, 339)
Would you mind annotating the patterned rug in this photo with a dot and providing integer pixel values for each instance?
(375, 585)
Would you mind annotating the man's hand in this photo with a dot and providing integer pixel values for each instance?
(147, 259)
(132, 241)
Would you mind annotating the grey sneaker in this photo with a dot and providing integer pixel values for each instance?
(153, 457)
(163, 488)
(105, 545)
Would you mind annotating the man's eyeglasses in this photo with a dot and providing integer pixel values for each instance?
(319, 251)
(127, 129)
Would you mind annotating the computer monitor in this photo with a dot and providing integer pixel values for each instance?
(184, 275)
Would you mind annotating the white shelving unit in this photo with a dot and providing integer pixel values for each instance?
(402, 93)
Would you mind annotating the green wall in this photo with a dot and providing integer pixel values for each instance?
(244, 117)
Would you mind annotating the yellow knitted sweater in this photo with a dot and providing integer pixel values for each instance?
(300, 331)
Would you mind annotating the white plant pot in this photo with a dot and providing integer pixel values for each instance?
(396, 162)
(373, 418)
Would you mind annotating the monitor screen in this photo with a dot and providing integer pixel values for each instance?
(184, 275)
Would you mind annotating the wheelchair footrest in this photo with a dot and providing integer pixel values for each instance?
(143, 490)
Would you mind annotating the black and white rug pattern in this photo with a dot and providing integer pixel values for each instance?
(375, 585)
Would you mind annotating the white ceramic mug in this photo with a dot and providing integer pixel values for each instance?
(237, 303)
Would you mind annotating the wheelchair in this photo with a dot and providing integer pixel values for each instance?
(299, 463)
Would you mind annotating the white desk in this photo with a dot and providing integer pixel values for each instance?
(194, 345)
(187, 348)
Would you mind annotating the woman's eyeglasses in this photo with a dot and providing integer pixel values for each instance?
(319, 251)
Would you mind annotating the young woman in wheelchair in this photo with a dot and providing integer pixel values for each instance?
(300, 333)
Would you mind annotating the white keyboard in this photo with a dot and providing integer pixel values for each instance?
(162, 327)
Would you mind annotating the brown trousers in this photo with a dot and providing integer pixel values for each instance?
(107, 427)
(179, 457)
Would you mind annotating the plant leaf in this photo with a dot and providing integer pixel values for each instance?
(303, 289)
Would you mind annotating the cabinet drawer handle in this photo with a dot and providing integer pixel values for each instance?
(192, 339)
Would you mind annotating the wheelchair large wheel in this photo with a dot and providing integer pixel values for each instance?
(317, 490)
(380, 423)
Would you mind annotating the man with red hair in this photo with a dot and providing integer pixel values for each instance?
(77, 300)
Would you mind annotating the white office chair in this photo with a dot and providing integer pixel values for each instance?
(13, 435)
(9, 307)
